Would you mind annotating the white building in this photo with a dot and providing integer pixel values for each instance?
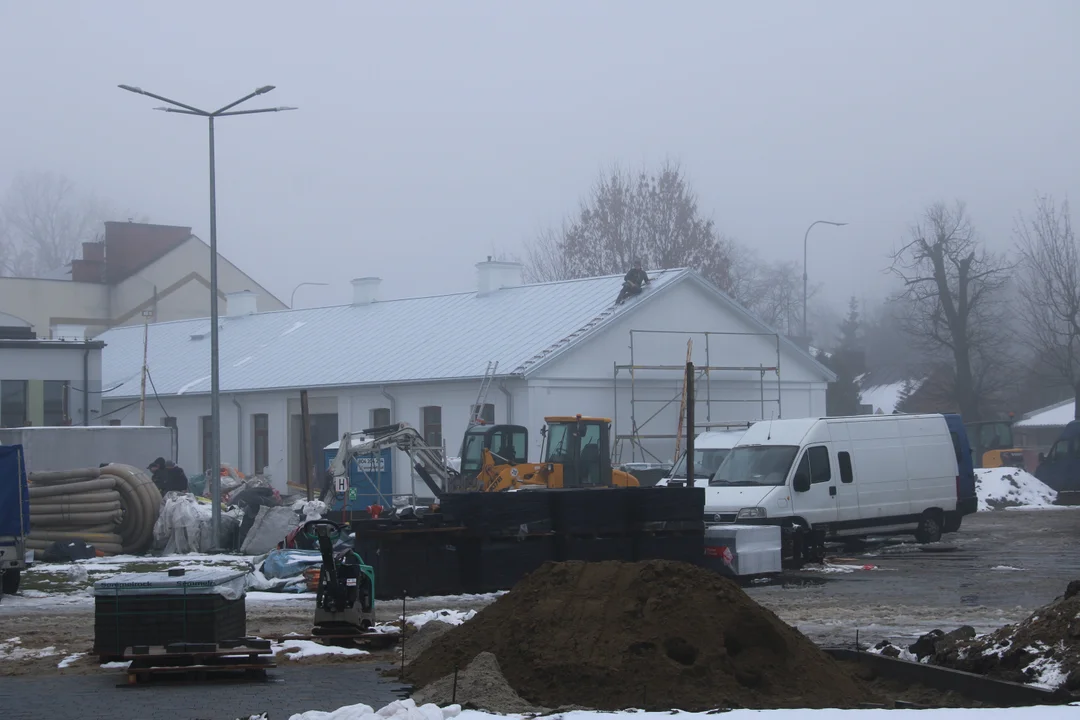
(47, 382)
(421, 360)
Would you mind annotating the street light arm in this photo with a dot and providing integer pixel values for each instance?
(181, 112)
(139, 91)
(804, 239)
(292, 298)
(244, 99)
(253, 112)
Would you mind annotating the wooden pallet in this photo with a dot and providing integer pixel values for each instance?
(367, 641)
(200, 666)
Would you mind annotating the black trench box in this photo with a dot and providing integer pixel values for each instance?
(206, 605)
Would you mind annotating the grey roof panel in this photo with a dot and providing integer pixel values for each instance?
(394, 341)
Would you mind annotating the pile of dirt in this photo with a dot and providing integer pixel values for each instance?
(480, 686)
(654, 634)
(421, 640)
(1042, 650)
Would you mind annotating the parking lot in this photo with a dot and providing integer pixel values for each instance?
(996, 570)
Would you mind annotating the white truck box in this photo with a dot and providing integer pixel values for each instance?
(70, 448)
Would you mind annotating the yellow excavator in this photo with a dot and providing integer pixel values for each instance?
(576, 453)
(992, 444)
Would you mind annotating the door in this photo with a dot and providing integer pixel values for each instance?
(847, 494)
(815, 501)
(323, 430)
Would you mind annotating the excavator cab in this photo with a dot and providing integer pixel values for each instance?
(508, 444)
(578, 451)
(992, 442)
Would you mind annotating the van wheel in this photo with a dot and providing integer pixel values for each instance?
(929, 529)
(952, 522)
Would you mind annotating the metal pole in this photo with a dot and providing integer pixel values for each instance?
(215, 389)
(142, 390)
(305, 418)
(805, 236)
(690, 424)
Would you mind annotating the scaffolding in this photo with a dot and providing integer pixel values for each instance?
(638, 432)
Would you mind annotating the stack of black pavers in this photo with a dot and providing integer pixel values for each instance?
(178, 620)
(486, 542)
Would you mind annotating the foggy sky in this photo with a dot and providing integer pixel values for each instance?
(432, 134)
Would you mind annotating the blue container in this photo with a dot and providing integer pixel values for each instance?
(371, 481)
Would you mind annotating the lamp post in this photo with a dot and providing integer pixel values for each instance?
(292, 298)
(807, 235)
(215, 404)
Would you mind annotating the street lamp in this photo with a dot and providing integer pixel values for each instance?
(215, 415)
(292, 298)
(807, 235)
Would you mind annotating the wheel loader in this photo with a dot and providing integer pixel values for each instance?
(576, 453)
(992, 444)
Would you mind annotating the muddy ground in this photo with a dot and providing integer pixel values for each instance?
(996, 570)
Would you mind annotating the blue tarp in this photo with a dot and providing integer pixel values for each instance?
(14, 493)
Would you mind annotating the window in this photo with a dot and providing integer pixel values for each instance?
(846, 476)
(509, 446)
(56, 403)
(486, 414)
(13, 403)
(757, 465)
(206, 428)
(380, 417)
(431, 419)
(261, 445)
(819, 464)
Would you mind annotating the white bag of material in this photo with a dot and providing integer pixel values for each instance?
(181, 524)
(271, 526)
(310, 509)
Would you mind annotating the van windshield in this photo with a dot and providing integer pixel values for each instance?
(706, 463)
(755, 465)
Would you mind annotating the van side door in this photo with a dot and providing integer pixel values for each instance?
(813, 494)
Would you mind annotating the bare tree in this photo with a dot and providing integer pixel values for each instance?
(652, 217)
(1050, 291)
(46, 220)
(953, 303)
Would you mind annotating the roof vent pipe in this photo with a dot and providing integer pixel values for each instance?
(365, 290)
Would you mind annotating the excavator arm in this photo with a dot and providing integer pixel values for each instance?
(427, 461)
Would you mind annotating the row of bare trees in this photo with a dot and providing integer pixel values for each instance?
(44, 219)
(979, 325)
(654, 217)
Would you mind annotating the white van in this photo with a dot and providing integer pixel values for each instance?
(710, 449)
(840, 477)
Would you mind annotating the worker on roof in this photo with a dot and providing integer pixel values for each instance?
(633, 282)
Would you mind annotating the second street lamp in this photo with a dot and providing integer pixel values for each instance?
(215, 404)
(806, 337)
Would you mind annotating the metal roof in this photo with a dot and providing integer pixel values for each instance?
(391, 341)
(1056, 415)
(442, 337)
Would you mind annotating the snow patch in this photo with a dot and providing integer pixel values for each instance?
(1006, 486)
(450, 617)
(295, 326)
(70, 660)
(12, 650)
(116, 665)
(184, 388)
(397, 710)
(299, 649)
(244, 361)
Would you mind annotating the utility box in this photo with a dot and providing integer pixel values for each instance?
(66, 448)
(370, 480)
(743, 550)
(206, 605)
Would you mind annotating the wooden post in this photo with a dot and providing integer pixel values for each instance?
(305, 420)
(690, 424)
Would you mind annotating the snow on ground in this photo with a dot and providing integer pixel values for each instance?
(70, 660)
(450, 617)
(998, 488)
(12, 650)
(299, 649)
(408, 710)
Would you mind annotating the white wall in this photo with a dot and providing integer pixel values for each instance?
(582, 379)
(58, 363)
(44, 303)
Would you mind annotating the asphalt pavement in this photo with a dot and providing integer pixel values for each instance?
(289, 690)
(997, 569)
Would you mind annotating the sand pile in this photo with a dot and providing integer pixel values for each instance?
(1042, 650)
(652, 634)
(421, 640)
(480, 686)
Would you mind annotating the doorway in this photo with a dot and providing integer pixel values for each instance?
(323, 430)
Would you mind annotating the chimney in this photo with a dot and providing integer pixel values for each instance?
(365, 290)
(492, 275)
(241, 303)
